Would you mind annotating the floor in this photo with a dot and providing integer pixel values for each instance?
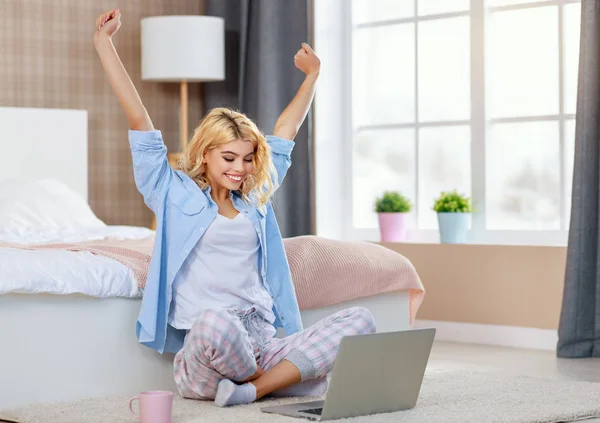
(520, 361)
(444, 355)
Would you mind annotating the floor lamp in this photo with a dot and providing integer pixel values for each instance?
(182, 49)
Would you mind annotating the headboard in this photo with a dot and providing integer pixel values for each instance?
(45, 143)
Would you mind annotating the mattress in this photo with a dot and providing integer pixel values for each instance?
(113, 262)
(67, 272)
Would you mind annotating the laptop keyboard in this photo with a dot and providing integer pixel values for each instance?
(317, 411)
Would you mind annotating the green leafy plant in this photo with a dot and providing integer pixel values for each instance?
(392, 202)
(452, 202)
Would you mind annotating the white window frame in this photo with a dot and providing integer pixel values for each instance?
(478, 124)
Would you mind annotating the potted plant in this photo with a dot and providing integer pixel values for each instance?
(392, 210)
(453, 213)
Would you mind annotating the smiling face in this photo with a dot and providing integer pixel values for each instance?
(228, 151)
(229, 164)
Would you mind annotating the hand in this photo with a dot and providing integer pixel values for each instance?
(307, 61)
(108, 24)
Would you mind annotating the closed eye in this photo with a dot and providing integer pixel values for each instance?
(247, 159)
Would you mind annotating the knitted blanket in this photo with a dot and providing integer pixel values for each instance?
(327, 272)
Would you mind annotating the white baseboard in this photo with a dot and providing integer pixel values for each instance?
(507, 336)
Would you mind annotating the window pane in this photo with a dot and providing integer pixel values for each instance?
(364, 11)
(382, 160)
(569, 160)
(444, 165)
(522, 178)
(523, 62)
(431, 7)
(444, 69)
(572, 18)
(326, 16)
(384, 77)
(492, 3)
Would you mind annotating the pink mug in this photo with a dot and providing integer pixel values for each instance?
(155, 406)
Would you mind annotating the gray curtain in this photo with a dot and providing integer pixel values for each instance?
(579, 327)
(262, 37)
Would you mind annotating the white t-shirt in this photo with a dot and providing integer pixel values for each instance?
(221, 272)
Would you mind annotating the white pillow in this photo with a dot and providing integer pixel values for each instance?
(47, 204)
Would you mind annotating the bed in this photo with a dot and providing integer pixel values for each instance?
(67, 318)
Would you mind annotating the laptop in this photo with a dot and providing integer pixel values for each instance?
(374, 373)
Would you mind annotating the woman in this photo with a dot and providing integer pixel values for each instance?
(219, 282)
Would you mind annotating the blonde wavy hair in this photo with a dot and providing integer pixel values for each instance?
(221, 126)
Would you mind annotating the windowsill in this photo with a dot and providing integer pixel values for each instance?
(466, 244)
(488, 238)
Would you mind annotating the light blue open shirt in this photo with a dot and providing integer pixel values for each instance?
(183, 213)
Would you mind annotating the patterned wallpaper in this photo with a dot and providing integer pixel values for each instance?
(48, 60)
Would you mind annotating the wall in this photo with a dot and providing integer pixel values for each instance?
(49, 60)
(519, 286)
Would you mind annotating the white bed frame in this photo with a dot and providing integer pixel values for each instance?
(68, 347)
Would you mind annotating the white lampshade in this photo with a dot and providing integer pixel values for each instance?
(183, 48)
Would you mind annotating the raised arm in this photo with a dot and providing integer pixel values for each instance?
(107, 25)
(151, 170)
(291, 118)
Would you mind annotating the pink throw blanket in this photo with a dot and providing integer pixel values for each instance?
(324, 271)
(327, 272)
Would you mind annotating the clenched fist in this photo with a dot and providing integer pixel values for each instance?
(108, 23)
(306, 60)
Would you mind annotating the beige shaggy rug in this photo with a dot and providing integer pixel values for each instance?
(446, 396)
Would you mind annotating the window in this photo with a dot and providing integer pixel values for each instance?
(473, 95)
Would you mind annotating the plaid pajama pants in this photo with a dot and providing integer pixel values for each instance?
(230, 344)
